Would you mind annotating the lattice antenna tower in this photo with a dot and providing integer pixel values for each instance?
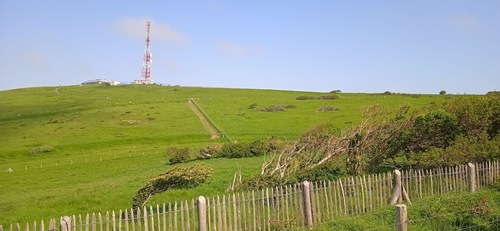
(146, 64)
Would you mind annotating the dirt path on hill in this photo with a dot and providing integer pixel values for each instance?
(208, 127)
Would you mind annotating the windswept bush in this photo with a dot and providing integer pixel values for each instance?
(175, 178)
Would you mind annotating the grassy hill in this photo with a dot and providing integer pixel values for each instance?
(79, 149)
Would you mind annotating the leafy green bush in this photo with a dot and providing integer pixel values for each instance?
(304, 97)
(435, 129)
(235, 150)
(178, 155)
(476, 115)
(175, 178)
(323, 172)
(241, 150)
(209, 151)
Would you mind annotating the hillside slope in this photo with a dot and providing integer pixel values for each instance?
(78, 149)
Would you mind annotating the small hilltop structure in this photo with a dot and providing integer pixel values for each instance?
(101, 81)
(146, 64)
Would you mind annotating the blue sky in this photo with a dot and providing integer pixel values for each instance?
(355, 46)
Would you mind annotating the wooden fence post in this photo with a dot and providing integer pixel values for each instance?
(306, 197)
(401, 218)
(65, 223)
(52, 224)
(202, 213)
(471, 170)
(396, 193)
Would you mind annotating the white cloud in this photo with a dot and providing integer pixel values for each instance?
(136, 28)
(464, 22)
(235, 50)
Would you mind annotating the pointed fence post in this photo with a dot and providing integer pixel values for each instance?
(306, 194)
(202, 213)
(396, 193)
(471, 170)
(65, 223)
(401, 218)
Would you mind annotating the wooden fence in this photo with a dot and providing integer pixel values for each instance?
(298, 205)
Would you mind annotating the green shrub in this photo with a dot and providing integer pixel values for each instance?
(41, 149)
(209, 151)
(178, 155)
(304, 97)
(241, 150)
(262, 147)
(328, 97)
(324, 172)
(235, 150)
(435, 129)
(175, 178)
(273, 108)
(476, 115)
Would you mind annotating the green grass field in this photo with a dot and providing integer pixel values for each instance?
(105, 142)
(453, 211)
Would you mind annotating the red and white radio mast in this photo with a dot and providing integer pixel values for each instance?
(146, 65)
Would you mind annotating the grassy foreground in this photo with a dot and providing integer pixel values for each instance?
(80, 149)
(453, 211)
